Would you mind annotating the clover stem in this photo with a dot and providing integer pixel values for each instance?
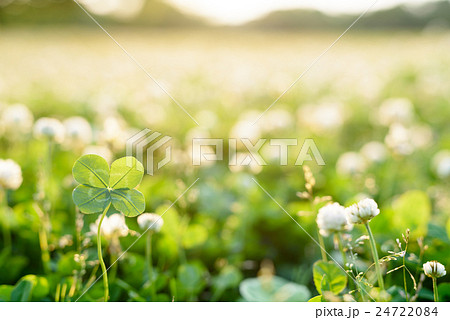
(322, 247)
(7, 242)
(48, 171)
(341, 248)
(148, 259)
(435, 290)
(376, 261)
(113, 257)
(100, 255)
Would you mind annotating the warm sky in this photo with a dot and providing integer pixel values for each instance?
(239, 11)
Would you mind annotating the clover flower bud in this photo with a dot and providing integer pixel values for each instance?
(112, 226)
(362, 212)
(78, 131)
(441, 164)
(10, 174)
(434, 269)
(332, 218)
(49, 128)
(150, 221)
(16, 120)
(351, 163)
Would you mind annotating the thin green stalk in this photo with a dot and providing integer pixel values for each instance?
(376, 261)
(114, 249)
(435, 290)
(43, 239)
(100, 255)
(322, 247)
(7, 242)
(113, 268)
(341, 248)
(58, 292)
(339, 240)
(361, 291)
(91, 278)
(49, 164)
(404, 275)
(148, 259)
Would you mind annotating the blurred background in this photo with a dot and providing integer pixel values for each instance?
(377, 106)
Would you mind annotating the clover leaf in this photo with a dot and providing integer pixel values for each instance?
(101, 186)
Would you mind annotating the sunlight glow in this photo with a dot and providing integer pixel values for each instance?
(240, 11)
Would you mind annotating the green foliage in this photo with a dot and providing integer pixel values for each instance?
(316, 299)
(67, 265)
(444, 291)
(229, 277)
(30, 288)
(100, 186)
(273, 288)
(412, 210)
(91, 170)
(329, 277)
(5, 292)
(194, 235)
(448, 228)
(191, 279)
(225, 220)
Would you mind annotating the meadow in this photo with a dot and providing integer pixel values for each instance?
(377, 106)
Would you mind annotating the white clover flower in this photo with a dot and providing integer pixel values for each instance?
(114, 133)
(112, 226)
(421, 136)
(276, 119)
(101, 151)
(78, 131)
(399, 139)
(351, 163)
(150, 221)
(10, 174)
(362, 212)
(374, 151)
(441, 164)
(245, 129)
(49, 128)
(321, 118)
(242, 161)
(434, 269)
(16, 119)
(394, 110)
(332, 218)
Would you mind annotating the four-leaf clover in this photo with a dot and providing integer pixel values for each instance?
(101, 186)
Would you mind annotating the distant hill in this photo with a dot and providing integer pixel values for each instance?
(401, 17)
(155, 13)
